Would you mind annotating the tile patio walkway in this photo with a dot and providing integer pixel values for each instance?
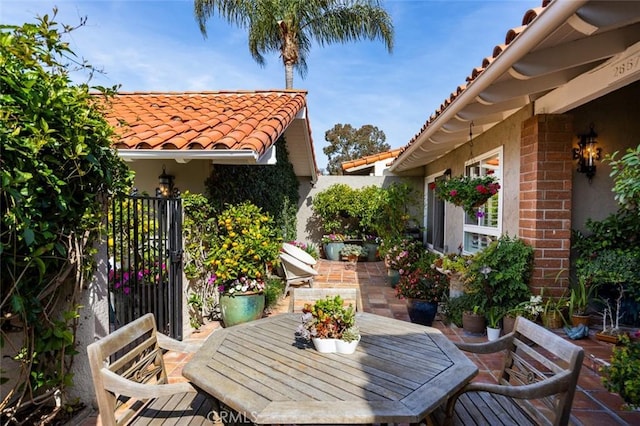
(592, 405)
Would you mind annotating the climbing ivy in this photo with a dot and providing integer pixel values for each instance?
(57, 164)
(273, 188)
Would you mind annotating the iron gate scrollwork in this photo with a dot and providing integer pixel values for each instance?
(145, 261)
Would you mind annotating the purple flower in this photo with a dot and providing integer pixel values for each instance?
(480, 214)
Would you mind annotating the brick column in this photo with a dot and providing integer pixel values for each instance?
(545, 198)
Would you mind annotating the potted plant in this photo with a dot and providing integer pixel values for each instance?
(371, 243)
(246, 242)
(622, 375)
(530, 309)
(611, 331)
(579, 301)
(455, 266)
(553, 312)
(494, 315)
(499, 274)
(352, 252)
(423, 287)
(332, 244)
(330, 325)
(473, 321)
(398, 256)
(467, 192)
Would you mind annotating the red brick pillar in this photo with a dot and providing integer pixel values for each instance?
(545, 198)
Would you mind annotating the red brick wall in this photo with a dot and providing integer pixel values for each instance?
(545, 198)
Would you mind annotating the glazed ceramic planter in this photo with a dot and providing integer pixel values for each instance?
(372, 251)
(393, 276)
(241, 308)
(332, 250)
(422, 311)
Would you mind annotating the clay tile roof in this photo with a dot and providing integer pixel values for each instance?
(370, 159)
(203, 120)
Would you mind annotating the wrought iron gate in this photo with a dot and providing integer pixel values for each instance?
(145, 261)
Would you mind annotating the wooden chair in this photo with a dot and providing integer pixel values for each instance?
(536, 385)
(130, 379)
(300, 296)
(296, 272)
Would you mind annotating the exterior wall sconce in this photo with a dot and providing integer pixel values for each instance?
(587, 154)
(447, 173)
(165, 186)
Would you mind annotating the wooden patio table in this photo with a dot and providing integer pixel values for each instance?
(399, 373)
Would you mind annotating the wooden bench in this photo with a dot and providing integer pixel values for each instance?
(300, 296)
(536, 385)
(131, 384)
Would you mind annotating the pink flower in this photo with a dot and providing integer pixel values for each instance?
(453, 192)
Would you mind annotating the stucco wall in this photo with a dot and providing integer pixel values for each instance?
(615, 118)
(93, 324)
(507, 135)
(308, 233)
(188, 176)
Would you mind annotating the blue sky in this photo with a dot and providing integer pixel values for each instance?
(157, 46)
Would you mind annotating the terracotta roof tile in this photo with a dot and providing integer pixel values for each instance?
(203, 120)
(370, 159)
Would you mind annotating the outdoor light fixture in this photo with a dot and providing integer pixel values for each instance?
(165, 186)
(587, 154)
(447, 173)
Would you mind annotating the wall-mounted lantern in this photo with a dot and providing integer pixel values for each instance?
(587, 154)
(165, 186)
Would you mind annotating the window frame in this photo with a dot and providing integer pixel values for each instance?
(486, 231)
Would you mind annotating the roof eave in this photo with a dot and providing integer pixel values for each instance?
(237, 156)
(550, 18)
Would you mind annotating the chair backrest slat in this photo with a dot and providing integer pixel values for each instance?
(300, 296)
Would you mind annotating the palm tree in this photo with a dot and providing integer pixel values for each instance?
(288, 26)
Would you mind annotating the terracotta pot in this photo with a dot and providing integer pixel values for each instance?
(508, 322)
(473, 324)
(576, 320)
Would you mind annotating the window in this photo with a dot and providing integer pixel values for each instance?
(485, 227)
(434, 216)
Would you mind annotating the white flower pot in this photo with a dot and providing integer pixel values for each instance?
(328, 346)
(343, 347)
(325, 346)
(493, 333)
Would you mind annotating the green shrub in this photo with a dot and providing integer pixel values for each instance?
(499, 275)
(623, 373)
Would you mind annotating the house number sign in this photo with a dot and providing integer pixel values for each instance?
(627, 66)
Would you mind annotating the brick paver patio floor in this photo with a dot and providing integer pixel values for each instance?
(592, 405)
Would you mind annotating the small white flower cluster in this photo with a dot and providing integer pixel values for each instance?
(534, 307)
